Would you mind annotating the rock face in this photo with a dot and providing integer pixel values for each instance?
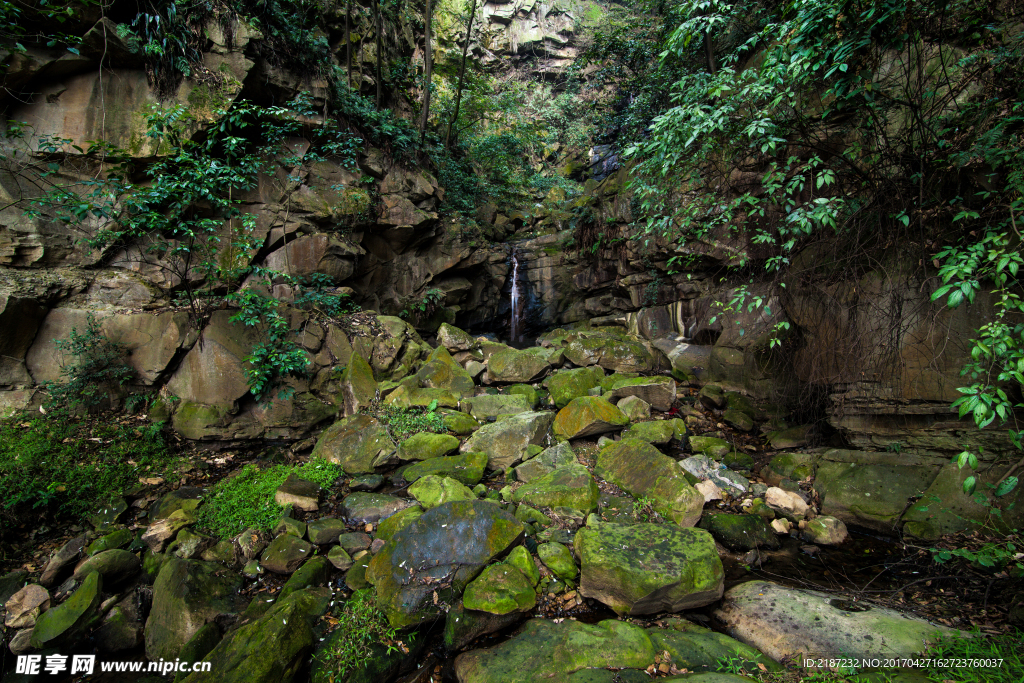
(648, 568)
(640, 469)
(439, 552)
(505, 441)
(186, 595)
(787, 622)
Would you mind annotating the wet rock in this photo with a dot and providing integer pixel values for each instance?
(159, 533)
(370, 508)
(558, 559)
(433, 490)
(114, 565)
(354, 542)
(425, 445)
(570, 486)
(588, 416)
(512, 365)
(186, 595)
(325, 531)
(66, 555)
(550, 459)
(358, 387)
(641, 470)
(72, 619)
(824, 531)
(521, 559)
(658, 432)
(500, 589)
(447, 545)
(25, 606)
(301, 494)
(490, 406)
(467, 469)
(634, 408)
(312, 573)
(565, 385)
(790, 623)
(786, 503)
(505, 442)
(648, 568)
(740, 532)
(359, 443)
(658, 391)
(285, 554)
(272, 649)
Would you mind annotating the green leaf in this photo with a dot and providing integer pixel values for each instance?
(1006, 486)
(969, 484)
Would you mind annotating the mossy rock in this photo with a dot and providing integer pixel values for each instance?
(571, 486)
(565, 385)
(740, 532)
(532, 395)
(710, 446)
(115, 539)
(506, 442)
(511, 365)
(433, 490)
(558, 559)
(490, 406)
(659, 432)
(467, 469)
(521, 559)
(358, 443)
(72, 619)
(442, 372)
(642, 470)
(588, 416)
(500, 589)
(458, 422)
(425, 445)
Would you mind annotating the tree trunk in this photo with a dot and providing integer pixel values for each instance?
(709, 53)
(348, 41)
(428, 64)
(462, 75)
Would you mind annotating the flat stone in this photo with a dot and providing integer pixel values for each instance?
(505, 442)
(571, 486)
(425, 446)
(285, 554)
(648, 568)
(547, 461)
(467, 468)
(25, 606)
(789, 623)
(299, 493)
(325, 531)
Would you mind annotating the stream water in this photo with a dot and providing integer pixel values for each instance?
(514, 323)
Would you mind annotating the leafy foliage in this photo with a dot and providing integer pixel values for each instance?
(93, 369)
(362, 631)
(246, 500)
(402, 423)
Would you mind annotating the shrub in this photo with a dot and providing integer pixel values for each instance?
(92, 368)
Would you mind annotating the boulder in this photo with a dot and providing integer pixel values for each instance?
(272, 649)
(67, 622)
(738, 420)
(285, 554)
(658, 391)
(648, 568)
(158, 534)
(325, 531)
(432, 490)
(558, 559)
(505, 442)
(789, 623)
(588, 416)
(467, 468)
(489, 406)
(359, 443)
(364, 508)
(521, 559)
(425, 445)
(740, 532)
(25, 606)
(186, 595)
(300, 493)
(613, 354)
(794, 437)
(454, 339)
(642, 470)
(789, 504)
(442, 372)
(500, 589)
(439, 553)
(547, 461)
(358, 387)
(565, 385)
(512, 365)
(571, 486)
(396, 522)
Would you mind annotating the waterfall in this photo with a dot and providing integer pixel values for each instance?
(515, 298)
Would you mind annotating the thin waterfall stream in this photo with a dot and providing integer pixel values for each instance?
(514, 331)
